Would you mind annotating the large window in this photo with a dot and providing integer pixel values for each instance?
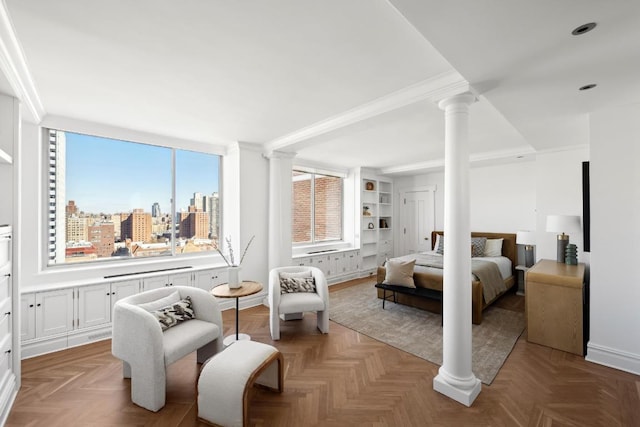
(112, 199)
(317, 207)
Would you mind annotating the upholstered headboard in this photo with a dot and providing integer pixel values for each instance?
(509, 248)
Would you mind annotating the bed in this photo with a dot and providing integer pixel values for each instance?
(430, 277)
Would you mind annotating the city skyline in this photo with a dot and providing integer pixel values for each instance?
(113, 192)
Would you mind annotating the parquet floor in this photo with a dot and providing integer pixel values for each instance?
(340, 379)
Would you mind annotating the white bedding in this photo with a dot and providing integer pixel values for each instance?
(503, 263)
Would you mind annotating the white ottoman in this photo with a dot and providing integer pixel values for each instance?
(226, 379)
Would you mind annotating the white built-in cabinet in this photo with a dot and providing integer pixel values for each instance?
(336, 265)
(59, 318)
(376, 232)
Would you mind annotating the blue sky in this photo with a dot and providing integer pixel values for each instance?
(110, 176)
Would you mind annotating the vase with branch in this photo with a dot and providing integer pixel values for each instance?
(233, 269)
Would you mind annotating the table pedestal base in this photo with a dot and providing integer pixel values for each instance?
(230, 339)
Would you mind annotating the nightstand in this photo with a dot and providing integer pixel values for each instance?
(554, 300)
(524, 270)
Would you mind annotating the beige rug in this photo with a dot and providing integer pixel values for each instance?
(419, 332)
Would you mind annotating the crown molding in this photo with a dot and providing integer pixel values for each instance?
(14, 67)
(433, 89)
(489, 157)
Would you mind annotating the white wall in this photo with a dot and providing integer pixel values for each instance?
(503, 197)
(559, 192)
(615, 233)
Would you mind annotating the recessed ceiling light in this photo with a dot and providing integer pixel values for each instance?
(584, 28)
(587, 87)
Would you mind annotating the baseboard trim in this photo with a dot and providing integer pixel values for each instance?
(613, 358)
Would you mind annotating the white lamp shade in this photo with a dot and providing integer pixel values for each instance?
(563, 223)
(526, 238)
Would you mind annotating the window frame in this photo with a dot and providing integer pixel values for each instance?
(313, 172)
(174, 145)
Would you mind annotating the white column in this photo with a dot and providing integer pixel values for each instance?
(455, 378)
(280, 188)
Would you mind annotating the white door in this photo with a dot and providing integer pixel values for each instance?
(417, 213)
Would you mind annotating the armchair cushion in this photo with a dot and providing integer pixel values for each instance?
(187, 336)
(175, 313)
(300, 302)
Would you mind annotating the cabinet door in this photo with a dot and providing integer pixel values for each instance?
(123, 289)
(302, 262)
(94, 305)
(54, 312)
(154, 282)
(208, 279)
(180, 279)
(321, 262)
(354, 261)
(27, 316)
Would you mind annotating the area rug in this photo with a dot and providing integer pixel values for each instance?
(419, 332)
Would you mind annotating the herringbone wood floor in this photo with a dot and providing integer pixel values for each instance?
(340, 379)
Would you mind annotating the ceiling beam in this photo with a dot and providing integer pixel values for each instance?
(432, 89)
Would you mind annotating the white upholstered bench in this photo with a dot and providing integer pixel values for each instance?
(227, 378)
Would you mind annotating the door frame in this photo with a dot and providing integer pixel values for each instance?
(399, 240)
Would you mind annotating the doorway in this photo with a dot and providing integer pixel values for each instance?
(417, 215)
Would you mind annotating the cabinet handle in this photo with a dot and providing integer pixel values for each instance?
(38, 305)
(30, 305)
(108, 293)
(7, 275)
(8, 313)
(8, 351)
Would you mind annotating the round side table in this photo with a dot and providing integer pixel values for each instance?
(246, 288)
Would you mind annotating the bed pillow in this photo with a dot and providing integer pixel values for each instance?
(175, 314)
(477, 246)
(399, 273)
(436, 245)
(440, 245)
(290, 285)
(493, 247)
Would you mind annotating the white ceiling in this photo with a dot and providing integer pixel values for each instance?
(286, 73)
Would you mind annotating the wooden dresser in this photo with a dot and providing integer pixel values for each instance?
(555, 299)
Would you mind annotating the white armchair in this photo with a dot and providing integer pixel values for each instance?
(146, 351)
(293, 305)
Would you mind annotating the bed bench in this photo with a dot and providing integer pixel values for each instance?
(416, 292)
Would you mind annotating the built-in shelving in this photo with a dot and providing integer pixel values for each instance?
(376, 239)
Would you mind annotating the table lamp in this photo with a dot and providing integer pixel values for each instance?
(562, 224)
(528, 239)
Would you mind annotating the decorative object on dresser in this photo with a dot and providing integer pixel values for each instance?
(528, 239)
(370, 186)
(562, 224)
(571, 254)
